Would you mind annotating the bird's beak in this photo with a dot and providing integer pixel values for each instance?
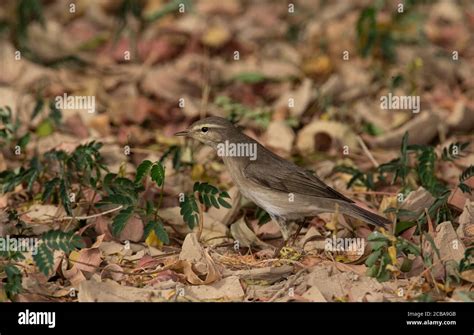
(182, 133)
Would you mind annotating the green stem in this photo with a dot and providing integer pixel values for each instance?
(160, 200)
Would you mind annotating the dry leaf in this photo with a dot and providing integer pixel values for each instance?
(458, 198)
(227, 289)
(449, 245)
(133, 230)
(74, 275)
(421, 130)
(301, 96)
(110, 291)
(416, 202)
(466, 222)
(462, 118)
(313, 294)
(268, 274)
(196, 264)
(216, 36)
(333, 134)
(245, 236)
(86, 260)
(112, 271)
(337, 286)
(312, 240)
(279, 136)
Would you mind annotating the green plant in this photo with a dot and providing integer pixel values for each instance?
(423, 168)
(465, 175)
(454, 151)
(250, 77)
(173, 151)
(56, 171)
(127, 193)
(398, 167)
(262, 216)
(236, 111)
(55, 240)
(379, 39)
(170, 7)
(14, 278)
(43, 257)
(28, 11)
(386, 249)
(365, 179)
(207, 195)
(467, 263)
(9, 130)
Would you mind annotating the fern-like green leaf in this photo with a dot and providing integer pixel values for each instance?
(465, 175)
(189, 211)
(14, 277)
(158, 174)
(224, 194)
(224, 203)
(64, 196)
(159, 229)
(214, 202)
(426, 171)
(454, 151)
(118, 199)
(44, 258)
(65, 241)
(262, 216)
(142, 170)
(49, 187)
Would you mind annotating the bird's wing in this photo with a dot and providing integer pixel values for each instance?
(290, 178)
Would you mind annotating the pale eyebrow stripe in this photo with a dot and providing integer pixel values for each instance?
(208, 125)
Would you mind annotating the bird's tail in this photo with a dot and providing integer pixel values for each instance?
(367, 216)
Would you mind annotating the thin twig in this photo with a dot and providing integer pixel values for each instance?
(371, 192)
(287, 285)
(128, 273)
(65, 218)
(367, 152)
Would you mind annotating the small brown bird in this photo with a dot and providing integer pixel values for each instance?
(284, 190)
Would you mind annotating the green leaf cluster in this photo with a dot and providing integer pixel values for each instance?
(51, 241)
(208, 195)
(379, 258)
(422, 168)
(236, 111)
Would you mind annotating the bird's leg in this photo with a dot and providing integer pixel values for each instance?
(298, 231)
(284, 232)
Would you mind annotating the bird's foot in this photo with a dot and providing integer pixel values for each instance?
(286, 250)
(279, 248)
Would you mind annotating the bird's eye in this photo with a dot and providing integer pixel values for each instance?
(204, 129)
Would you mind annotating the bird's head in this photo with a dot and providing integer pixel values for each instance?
(211, 131)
